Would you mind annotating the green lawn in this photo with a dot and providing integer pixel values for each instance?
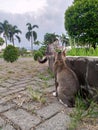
(82, 52)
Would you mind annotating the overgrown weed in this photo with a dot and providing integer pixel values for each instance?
(82, 113)
(37, 95)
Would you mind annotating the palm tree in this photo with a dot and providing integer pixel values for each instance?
(64, 40)
(49, 38)
(13, 32)
(4, 28)
(31, 35)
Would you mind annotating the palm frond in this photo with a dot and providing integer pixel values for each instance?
(19, 39)
(35, 26)
(34, 35)
(28, 35)
(29, 26)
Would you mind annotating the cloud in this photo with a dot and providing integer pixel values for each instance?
(49, 18)
(21, 6)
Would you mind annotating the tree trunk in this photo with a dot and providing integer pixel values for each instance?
(13, 41)
(94, 46)
(6, 41)
(32, 44)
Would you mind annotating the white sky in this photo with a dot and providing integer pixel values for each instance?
(47, 14)
(21, 6)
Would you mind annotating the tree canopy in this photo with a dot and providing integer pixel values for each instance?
(81, 21)
(14, 32)
(64, 40)
(50, 38)
(9, 32)
(4, 29)
(31, 35)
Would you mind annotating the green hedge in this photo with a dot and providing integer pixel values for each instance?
(83, 52)
(11, 53)
(37, 54)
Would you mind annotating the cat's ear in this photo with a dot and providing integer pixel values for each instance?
(64, 52)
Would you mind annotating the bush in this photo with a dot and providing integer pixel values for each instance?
(1, 41)
(42, 49)
(11, 53)
(37, 54)
(1, 54)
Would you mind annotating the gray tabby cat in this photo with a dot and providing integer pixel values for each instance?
(66, 81)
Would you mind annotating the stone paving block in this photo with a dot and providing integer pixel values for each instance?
(1, 122)
(22, 118)
(34, 87)
(2, 101)
(21, 99)
(13, 91)
(15, 78)
(37, 79)
(50, 110)
(25, 92)
(11, 81)
(7, 127)
(6, 106)
(30, 106)
(58, 122)
(33, 82)
(18, 86)
(6, 84)
(49, 89)
(27, 78)
(51, 83)
(22, 81)
(7, 98)
(2, 90)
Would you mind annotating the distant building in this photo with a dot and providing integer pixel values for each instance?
(2, 47)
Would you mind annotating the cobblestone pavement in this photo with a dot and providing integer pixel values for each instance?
(26, 100)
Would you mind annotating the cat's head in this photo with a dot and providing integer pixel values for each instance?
(60, 55)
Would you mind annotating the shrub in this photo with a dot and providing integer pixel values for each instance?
(1, 41)
(42, 49)
(11, 53)
(37, 54)
(1, 54)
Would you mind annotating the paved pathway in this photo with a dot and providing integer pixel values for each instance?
(26, 100)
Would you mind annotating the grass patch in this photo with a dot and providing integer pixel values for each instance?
(11, 72)
(50, 73)
(81, 113)
(1, 55)
(37, 95)
(33, 111)
(44, 77)
(83, 52)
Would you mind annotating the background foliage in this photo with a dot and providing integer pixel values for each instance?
(81, 21)
(11, 53)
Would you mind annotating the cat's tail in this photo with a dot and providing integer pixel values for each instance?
(42, 60)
